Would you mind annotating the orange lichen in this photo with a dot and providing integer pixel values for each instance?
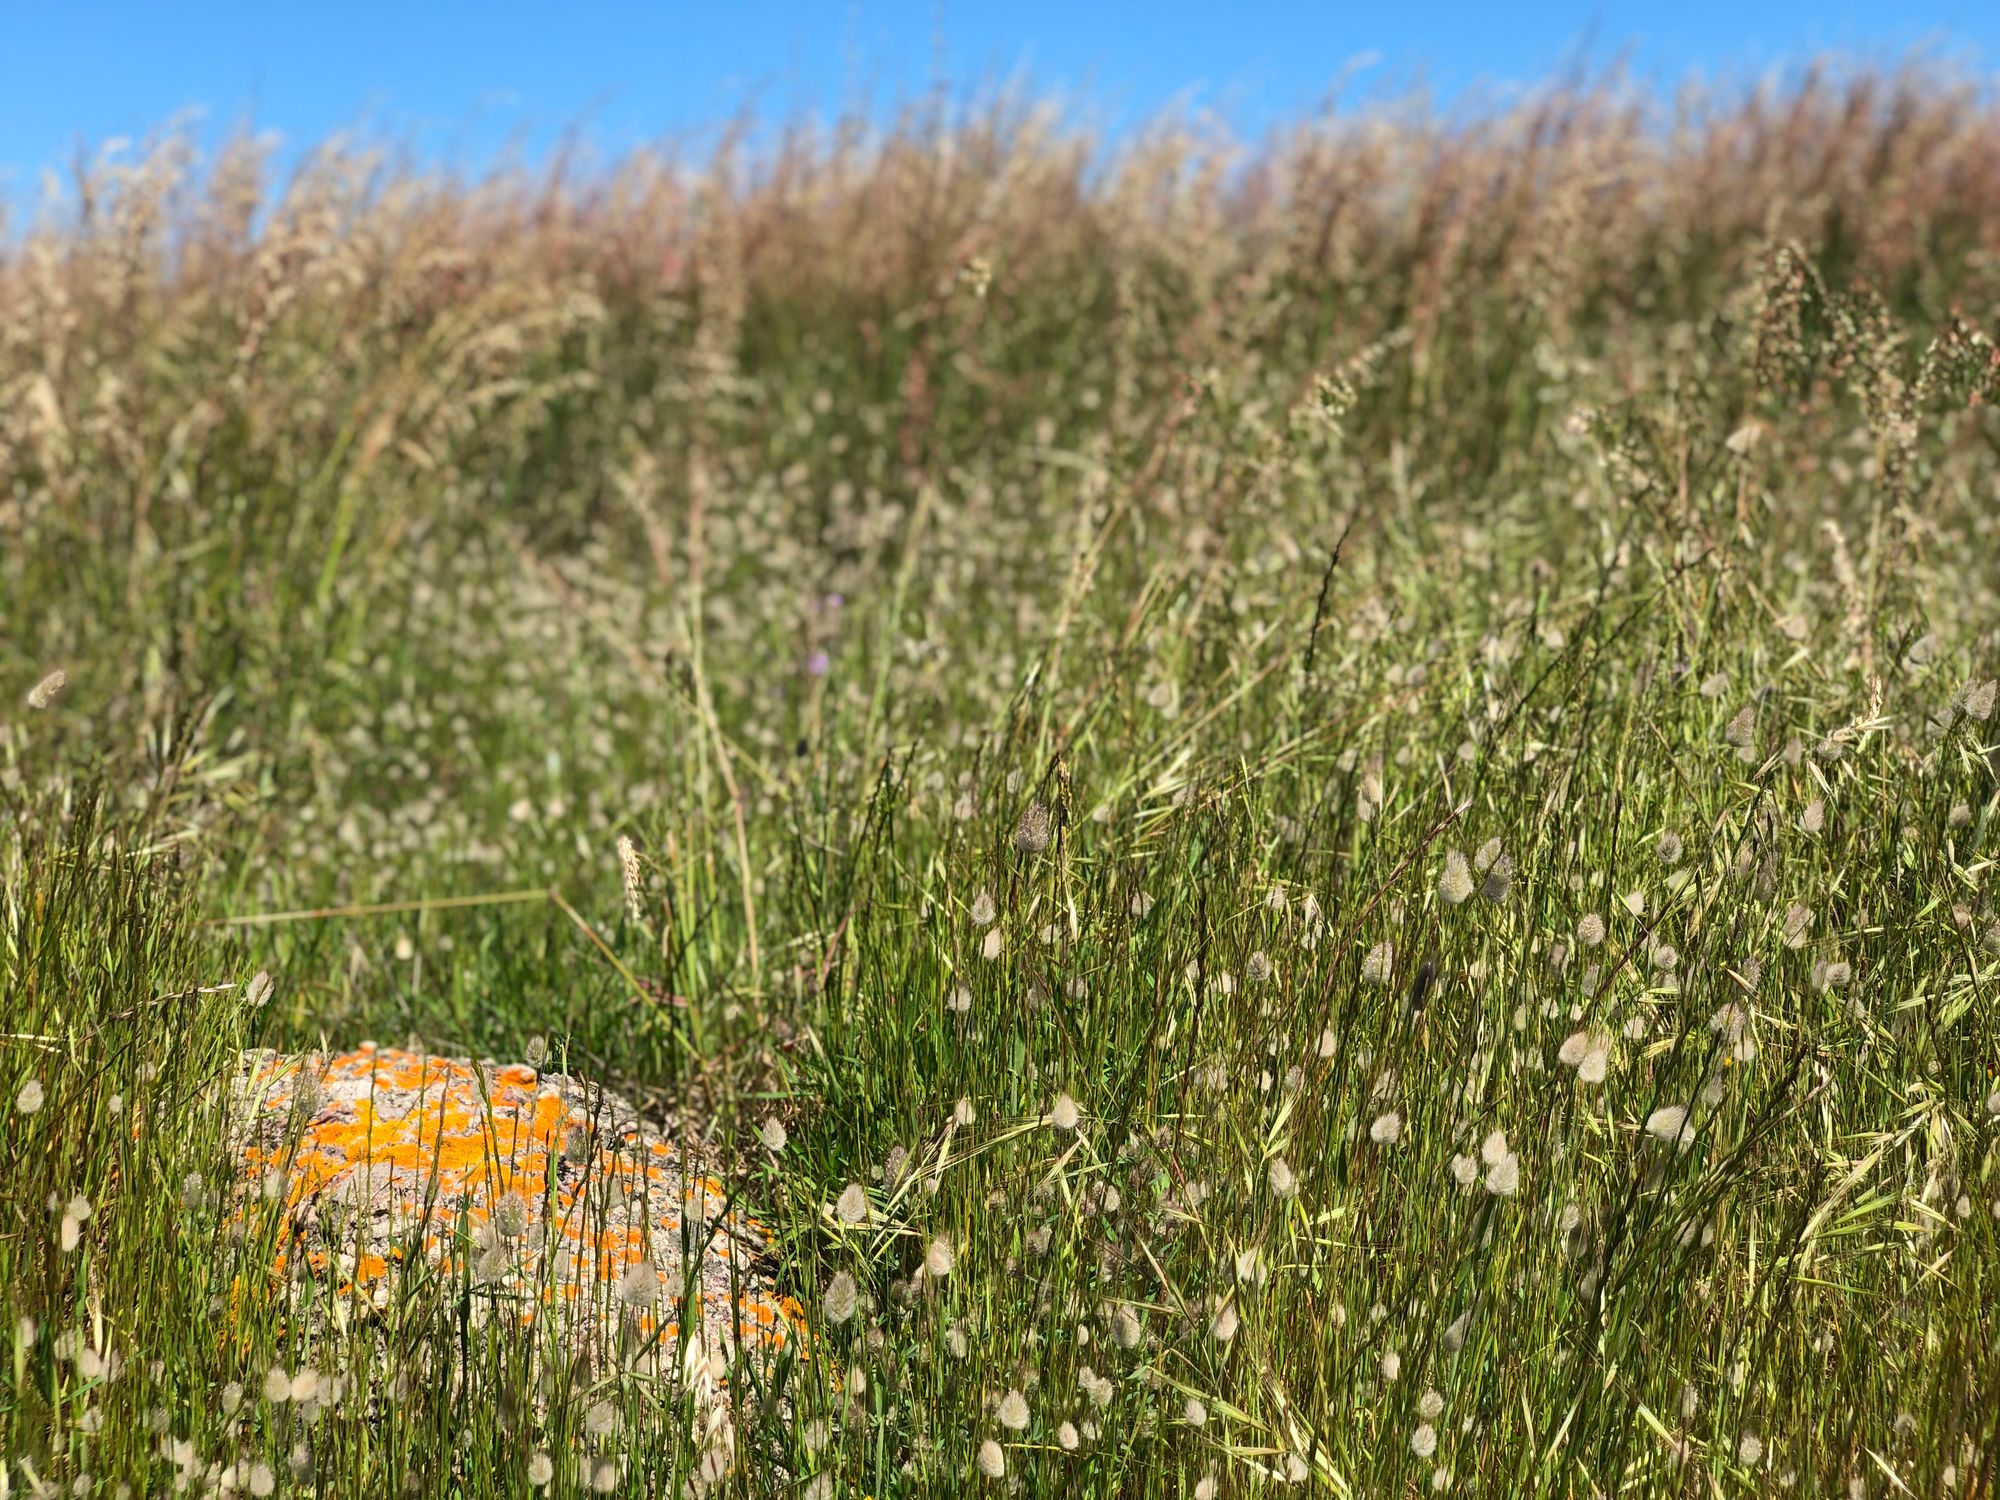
(540, 1188)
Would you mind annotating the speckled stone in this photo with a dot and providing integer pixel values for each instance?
(547, 1193)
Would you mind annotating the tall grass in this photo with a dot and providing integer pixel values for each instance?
(1341, 793)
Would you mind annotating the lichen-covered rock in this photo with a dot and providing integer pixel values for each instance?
(547, 1193)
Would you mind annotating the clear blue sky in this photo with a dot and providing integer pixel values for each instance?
(460, 81)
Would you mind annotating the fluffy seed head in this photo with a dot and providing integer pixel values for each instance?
(1379, 963)
(639, 1287)
(853, 1205)
(510, 1216)
(1222, 1327)
(1284, 1182)
(1456, 1331)
(1669, 1123)
(1251, 1267)
(1455, 883)
(50, 688)
(992, 1460)
(841, 1297)
(1596, 1062)
(1013, 1412)
(1063, 1114)
(1033, 832)
(940, 1257)
(1126, 1329)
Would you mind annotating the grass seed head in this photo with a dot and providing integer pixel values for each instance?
(841, 1298)
(1033, 832)
(940, 1257)
(1013, 1412)
(1455, 883)
(1379, 964)
(1669, 1123)
(1284, 1183)
(50, 688)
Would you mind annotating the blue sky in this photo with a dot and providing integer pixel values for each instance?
(461, 82)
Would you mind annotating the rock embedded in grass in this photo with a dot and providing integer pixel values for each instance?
(546, 1194)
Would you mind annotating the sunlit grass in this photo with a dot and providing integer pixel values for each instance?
(1289, 834)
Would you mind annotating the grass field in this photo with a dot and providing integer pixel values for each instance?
(1351, 786)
